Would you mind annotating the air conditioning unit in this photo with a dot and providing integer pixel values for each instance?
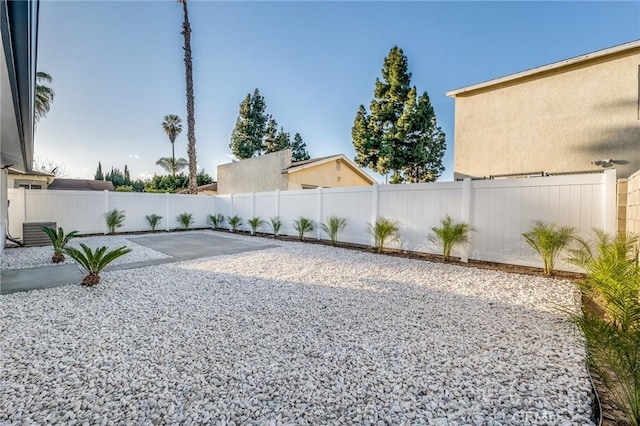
(33, 235)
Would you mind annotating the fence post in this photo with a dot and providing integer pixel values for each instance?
(375, 208)
(318, 211)
(230, 206)
(610, 212)
(465, 215)
(253, 204)
(166, 211)
(277, 202)
(106, 210)
(23, 194)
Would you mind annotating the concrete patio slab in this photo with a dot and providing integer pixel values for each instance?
(190, 245)
(14, 280)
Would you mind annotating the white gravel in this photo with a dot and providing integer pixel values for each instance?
(298, 334)
(33, 257)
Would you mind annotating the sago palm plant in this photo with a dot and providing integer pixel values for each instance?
(59, 240)
(333, 227)
(383, 231)
(215, 220)
(276, 225)
(449, 235)
(255, 223)
(93, 262)
(115, 219)
(153, 220)
(303, 225)
(613, 335)
(186, 220)
(235, 222)
(548, 240)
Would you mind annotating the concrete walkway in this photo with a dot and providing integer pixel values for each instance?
(179, 246)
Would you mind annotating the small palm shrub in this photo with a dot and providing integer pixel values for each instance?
(115, 219)
(255, 223)
(153, 220)
(548, 240)
(235, 222)
(186, 220)
(450, 235)
(384, 230)
(93, 262)
(59, 240)
(276, 225)
(613, 335)
(215, 220)
(334, 226)
(303, 225)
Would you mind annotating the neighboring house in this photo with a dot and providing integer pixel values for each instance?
(18, 30)
(277, 171)
(556, 118)
(82, 185)
(29, 180)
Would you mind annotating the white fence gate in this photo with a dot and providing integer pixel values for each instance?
(499, 210)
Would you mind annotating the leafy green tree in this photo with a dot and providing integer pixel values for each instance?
(299, 149)
(169, 183)
(99, 175)
(172, 165)
(251, 126)
(44, 95)
(119, 178)
(172, 126)
(191, 121)
(400, 135)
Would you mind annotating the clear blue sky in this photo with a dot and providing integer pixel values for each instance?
(118, 69)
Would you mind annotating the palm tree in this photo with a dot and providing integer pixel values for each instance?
(172, 165)
(44, 95)
(172, 126)
(191, 122)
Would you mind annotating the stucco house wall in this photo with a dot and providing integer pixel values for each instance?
(330, 174)
(557, 118)
(277, 171)
(257, 174)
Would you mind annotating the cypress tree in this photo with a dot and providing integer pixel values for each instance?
(400, 135)
(99, 175)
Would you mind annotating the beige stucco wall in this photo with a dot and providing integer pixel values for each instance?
(326, 175)
(633, 203)
(557, 121)
(262, 173)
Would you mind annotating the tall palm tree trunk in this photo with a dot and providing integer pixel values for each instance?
(173, 157)
(191, 122)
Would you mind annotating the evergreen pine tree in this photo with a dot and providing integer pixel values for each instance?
(270, 136)
(246, 139)
(99, 175)
(299, 149)
(283, 141)
(401, 134)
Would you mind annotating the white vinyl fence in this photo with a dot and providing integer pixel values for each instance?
(499, 210)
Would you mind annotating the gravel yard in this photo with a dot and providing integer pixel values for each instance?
(298, 334)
